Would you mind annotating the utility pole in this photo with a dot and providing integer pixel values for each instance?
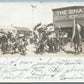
(33, 6)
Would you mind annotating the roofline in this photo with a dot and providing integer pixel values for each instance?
(21, 28)
(67, 7)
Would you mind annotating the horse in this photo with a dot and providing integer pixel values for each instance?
(76, 38)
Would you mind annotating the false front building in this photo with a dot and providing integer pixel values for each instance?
(63, 18)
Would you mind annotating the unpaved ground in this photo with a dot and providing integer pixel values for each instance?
(69, 52)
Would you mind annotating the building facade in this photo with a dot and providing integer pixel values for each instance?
(63, 18)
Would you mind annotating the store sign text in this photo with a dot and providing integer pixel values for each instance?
(68, 14)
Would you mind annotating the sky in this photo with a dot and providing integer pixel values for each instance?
(22, 14)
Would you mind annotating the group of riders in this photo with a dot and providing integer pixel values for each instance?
(12, 43)
(48, 42)
(43, 40)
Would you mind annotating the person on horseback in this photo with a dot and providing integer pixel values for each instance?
(76, 37)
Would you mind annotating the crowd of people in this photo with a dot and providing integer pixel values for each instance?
(52, 41)
(44, 40)
(12, 43)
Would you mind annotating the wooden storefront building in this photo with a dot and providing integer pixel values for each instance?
(63, 18)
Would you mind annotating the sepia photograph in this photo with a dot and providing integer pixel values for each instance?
(41, 41)
(41, 28)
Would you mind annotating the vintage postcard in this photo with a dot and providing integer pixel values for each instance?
(41, 41)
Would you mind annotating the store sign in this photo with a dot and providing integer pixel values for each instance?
(68, 14)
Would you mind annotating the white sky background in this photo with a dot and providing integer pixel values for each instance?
(20, 13)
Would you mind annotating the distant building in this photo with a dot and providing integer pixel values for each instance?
(23, 30)
(6, 28)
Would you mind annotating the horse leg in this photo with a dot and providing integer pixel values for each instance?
(75, 47)
(38, 49)
(80, 47)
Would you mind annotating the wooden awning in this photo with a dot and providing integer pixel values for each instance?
(67, 24)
